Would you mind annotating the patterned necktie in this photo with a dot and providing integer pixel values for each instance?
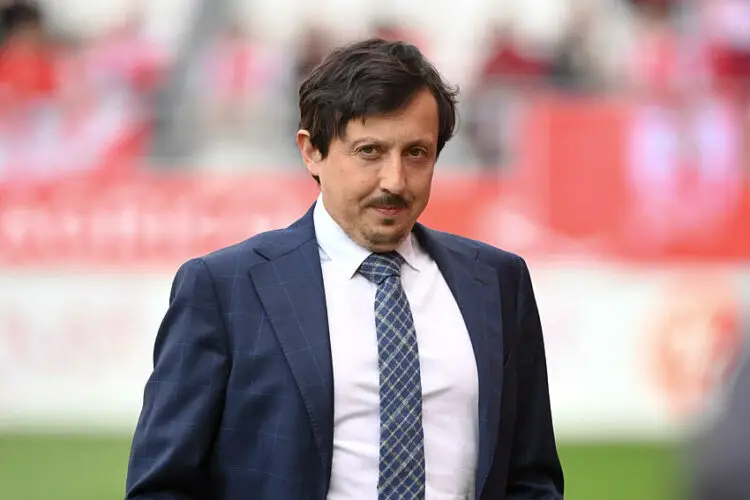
(402, 467)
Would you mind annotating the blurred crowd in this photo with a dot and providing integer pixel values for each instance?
(72, 102)
(69, 104)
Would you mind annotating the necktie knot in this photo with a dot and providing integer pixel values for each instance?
(379, 266)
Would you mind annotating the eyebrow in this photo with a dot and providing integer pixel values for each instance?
(424, 142)
(364, 140)
(421, 142)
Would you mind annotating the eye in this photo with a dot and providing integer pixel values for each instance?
(368, 151)
(417, 152)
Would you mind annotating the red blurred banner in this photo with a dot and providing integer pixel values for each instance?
(593, 180)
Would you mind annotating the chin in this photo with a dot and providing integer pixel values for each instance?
(386, 237)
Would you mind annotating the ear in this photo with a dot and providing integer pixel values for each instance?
(310, 155)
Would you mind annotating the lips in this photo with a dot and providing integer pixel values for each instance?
(390, 211)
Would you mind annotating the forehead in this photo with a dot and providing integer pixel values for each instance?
(417, 121)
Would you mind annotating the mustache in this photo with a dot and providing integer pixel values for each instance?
(389, 200)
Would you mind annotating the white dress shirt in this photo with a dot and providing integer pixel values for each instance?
(447, 366)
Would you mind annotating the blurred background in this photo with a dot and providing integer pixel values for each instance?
(604, 140)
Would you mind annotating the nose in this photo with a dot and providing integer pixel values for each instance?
(393, 175)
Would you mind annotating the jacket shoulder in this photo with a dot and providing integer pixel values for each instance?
(242, 255)
(494, 256)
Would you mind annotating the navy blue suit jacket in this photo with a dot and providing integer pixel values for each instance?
(240, 402)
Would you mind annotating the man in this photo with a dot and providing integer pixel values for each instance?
(723, 458)
(354, 354)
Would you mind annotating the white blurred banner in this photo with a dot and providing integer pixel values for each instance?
(631, 353)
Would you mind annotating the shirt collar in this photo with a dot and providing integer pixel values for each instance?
(343, 251)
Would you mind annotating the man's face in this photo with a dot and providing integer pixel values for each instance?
(376, 179)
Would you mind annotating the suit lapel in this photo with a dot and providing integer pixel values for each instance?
(290, 287)
(476, 289)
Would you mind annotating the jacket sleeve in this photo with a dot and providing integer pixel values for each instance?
(184, 396)
(535, 471)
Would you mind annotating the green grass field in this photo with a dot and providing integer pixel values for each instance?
(93, 468)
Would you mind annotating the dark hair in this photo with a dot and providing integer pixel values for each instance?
(19, 13)
(369, 78)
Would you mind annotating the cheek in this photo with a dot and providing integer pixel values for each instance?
(352, 178)
(362, 188)
(421, 183)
